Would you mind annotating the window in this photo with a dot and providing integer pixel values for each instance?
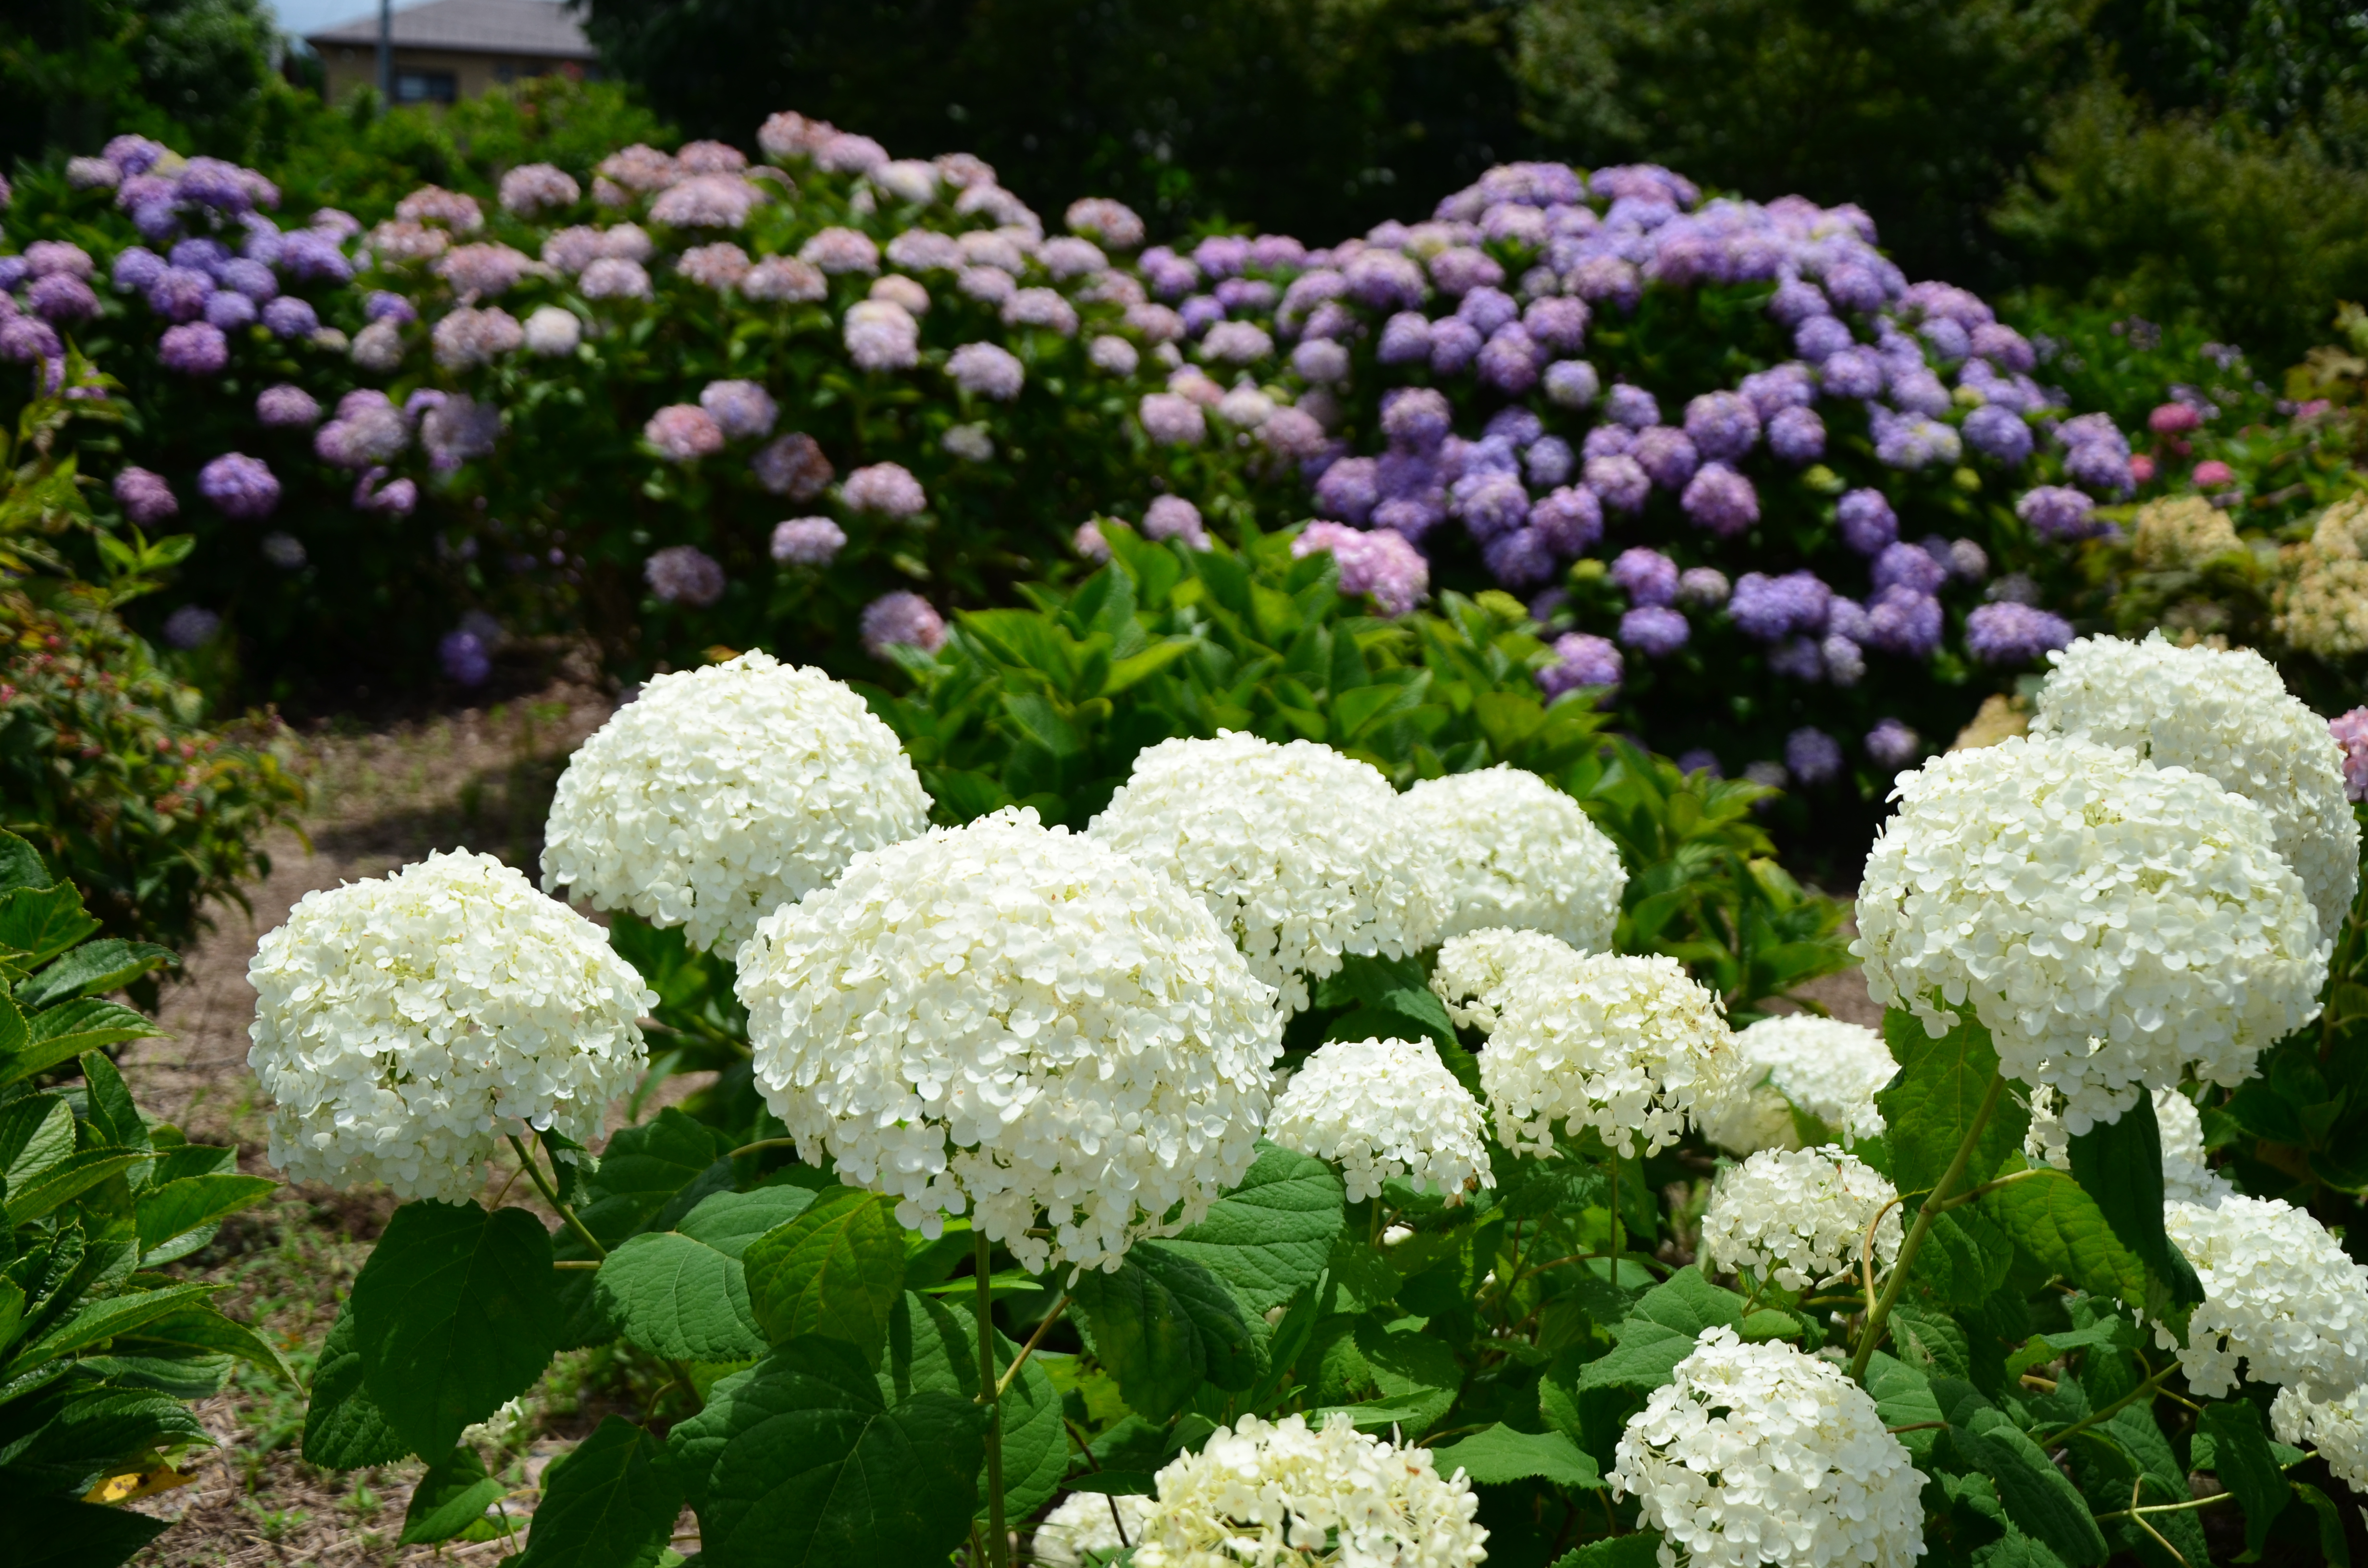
(413, 87)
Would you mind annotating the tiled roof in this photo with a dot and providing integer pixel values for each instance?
(532, 27)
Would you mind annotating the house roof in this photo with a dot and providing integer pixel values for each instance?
(532, 27)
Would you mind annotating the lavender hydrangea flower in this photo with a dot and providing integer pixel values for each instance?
(179, 293)
(249, 277)
(1812, 756)
(1795, 302)
(464, 657)
(2003, 347)
(1382, 280)
(1631, 406)
(309, 256)
(374, 493)
(284, 550)
(1172, 517)
(287, 407)
(1416, 418)
(1486, 310)
(191, 627)
(1844, 664)
(1556, 323)
(58, 258)
(1571, 383)
(1581, 659)
(1461, 270)
(683, 433)
(1901, 620)
(1868, 524)
(194, 349)
(1645, 575)
(1769, 608)
(1382, 564)
(1797, 435)
(1509, 361)
(228, 311)
(288, 316)
(1819, 338)
(1654, 630)
(136, 268)
(1778, 388)
(1851, 372)
(1907, 566)
(1665, 453)
(1348, 489)
(794, 466)
(1549, 462)
(1320, 362)
(684, 575)
(1892, 744)
(241, 487)
(740, 409)
(1705, 587)
(1618, 481)
(62, 296)
(888, 489)
(1453, 345)
(24, 339)
(1701, 760)
(1569, 520)
(2097, 466)
(145, 496)
(1171, 420)
(902, 619)
(807, 541)
(1911, 442)
(2058, 512)
(1491, 504)
(1720, 500)
(2010, 633)
(1608, 441)
(1519, 559)
(1722, 425)
(1406, 339)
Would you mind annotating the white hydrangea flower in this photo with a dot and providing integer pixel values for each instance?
(1477, 973)
(1759, 1454)
(2227, 714)
(723, 793)
(1799, 1217)
(1017, 1021)
(1381, 1108)
(1829, 1069)
(1087, 1523)
(403, 1024)
(1300, 853)
(2187, 1173)
(1505, 847)
(1283, 1493)
(1631, 1047)
(2281, 1296)
(2337, 1430)
(2111, 923)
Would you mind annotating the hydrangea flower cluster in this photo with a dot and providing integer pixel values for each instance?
(2283, 1302)
(1300, 854)
(2338, 1428)
(1825, 1067)
(1631, 1047)
(2115, 927)
(1385, 1109)
(1800, 1217)
(1478, 973)
(720, 794)
(2321, 595)
(1018, 1023)
(403, 1024)
(1088, 1525)
(1508, 849)
(1280, 1492)
(2225, 714)
(1758, 1454)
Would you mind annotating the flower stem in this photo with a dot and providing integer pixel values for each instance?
(1871, 1335)
(551, 1195)
(1029, 1348)
(1619, 1242)
(998, 1542)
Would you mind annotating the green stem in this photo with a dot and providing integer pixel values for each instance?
(551, 1195)
(761, 1144)
(2143, 1390)
(1619, 1242)
(2170, 1508)
(1029, 1348)
(998, 1540)
(1872, 1335)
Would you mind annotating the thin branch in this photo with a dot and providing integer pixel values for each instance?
(1872, 1335)
(1029, 1348)
(551, 1195)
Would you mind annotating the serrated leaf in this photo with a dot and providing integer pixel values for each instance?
(174, 1207)
(799, 1462)
(70, 1177)
(37, 924)
(2334, 1545)
(36, 1132)
(203, 1328)
(1931, 1343)
(2242, 1460)
(1931, 1104)
(21, 865)
(101, 1320)
(934, 1345)
(837, 1269)
(2119, 1165)
(2053, 1219)
(1499, 1455)
(1162, 1323)
(92, 969)
(344, 1428)
(68, 1030)
(680, 1298)
(108, 1111)
(2040, 1499)
(728, 1221)
(455, 1314)
(1902, 1397)
(610, 1501)
(451, 1500)
(1269, 1236)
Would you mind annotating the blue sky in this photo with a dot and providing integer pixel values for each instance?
(300, 16)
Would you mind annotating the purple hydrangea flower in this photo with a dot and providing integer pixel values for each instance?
(2003, 347)
(1509, 363)
(1654, 630)
(1797, 435)
(1383, 279)
(1453, 345)
(1485, 310)
(807, 541)
(740, 408)
(1720, 500)
(1549, 462)
(902, 619)
(1201, 312)
(1705, 587)
(194, 349)
(62, 296)
(1845, 666)
(2058, 512)
(889, 489)
(1647, 577)
(1701, 760)
(384, 306)
(1855, 288)
(2011, 633)
(287, 407)
(2351, 732)
(1631, 406)
(1908, 566)
(288, 316)
(1619, 481)
(465, 658)
(27, 339)
(1570, 520)
(1892, 744)
(1557, 323)
(1812, 756)
(1722, 425)
(1416, 418)
(1406, 339)
(240, 486)
(1521, 559)
(210, 182)
(1664, 453)
(1608, 441)
(1919, 392)
(372, 493)
(228, 311)
(203, 254)
(1999, 432)
(1795, 302)
(1320, 362)
(684, 575)
(1901, 620)
(191, 626)
(312, 256)
(1491, 504)
(1348, 491)
(145, 496)
(1171, 420)
(1851, 372)
(1172, 517)
(1949, 339)
(1867, 521)
(179, 293)
(1769, 608)
(1780, 387)
(1819, 338)
(2097, 466)
(1516, 425)
(1581, 659)
(136, 266)
(251, 278)
(1571, 383)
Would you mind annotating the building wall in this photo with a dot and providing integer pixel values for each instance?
(351, 67)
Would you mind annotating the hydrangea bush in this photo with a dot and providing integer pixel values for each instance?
(1115, 1248)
